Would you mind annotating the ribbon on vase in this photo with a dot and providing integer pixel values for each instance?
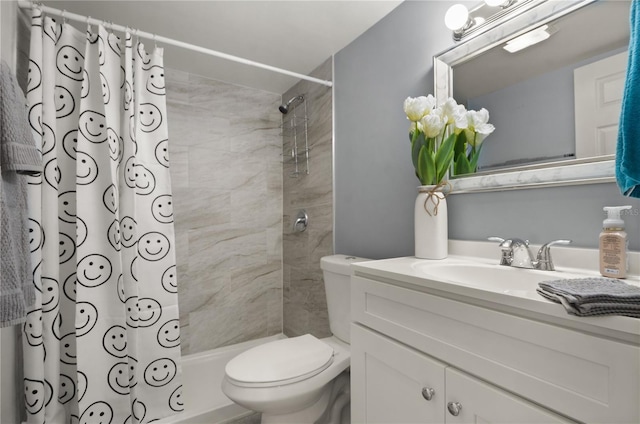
(434, 198)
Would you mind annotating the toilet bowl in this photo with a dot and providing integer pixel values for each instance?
(301, 379)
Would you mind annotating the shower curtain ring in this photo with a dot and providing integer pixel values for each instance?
(64, 19)
(155, 42)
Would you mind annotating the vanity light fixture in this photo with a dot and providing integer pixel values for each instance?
(457, 20)
(530, 38)
(464, 22)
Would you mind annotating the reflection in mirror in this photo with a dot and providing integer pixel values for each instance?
(556, 100)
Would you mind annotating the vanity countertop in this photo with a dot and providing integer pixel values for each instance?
(521, 299)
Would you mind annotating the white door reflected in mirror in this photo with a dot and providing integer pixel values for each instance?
(598, 89)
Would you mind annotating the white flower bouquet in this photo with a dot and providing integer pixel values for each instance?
(444, 135)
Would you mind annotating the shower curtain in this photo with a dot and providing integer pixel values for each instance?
(102, 343)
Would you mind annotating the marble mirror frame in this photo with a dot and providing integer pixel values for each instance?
(562, 173)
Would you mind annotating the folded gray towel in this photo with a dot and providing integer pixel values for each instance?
(593, 296)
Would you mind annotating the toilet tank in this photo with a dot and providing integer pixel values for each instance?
(336, 270)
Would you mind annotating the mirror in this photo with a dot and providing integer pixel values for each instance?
(545, 100)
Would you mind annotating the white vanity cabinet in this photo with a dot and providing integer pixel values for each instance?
(392, 383)
(499, 363)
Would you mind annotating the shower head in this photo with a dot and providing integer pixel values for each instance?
(285, 107)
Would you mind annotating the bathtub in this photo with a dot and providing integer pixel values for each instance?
(202, 375)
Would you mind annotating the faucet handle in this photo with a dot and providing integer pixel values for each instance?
(505, 246)
(555, 242)
(544, 261)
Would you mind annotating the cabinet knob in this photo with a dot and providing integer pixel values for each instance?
(454, 408)
(428, 392)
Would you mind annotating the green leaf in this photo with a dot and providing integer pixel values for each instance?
(417, 142)
(473, 165)
(461, 143)
(444, 156)
(446, 148)
(461, 165)
(426, 166)
(442, 171)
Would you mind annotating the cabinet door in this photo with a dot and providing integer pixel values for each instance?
(388, 380)
(484, 403)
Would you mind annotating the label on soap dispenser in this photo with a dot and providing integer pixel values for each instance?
(613, 254)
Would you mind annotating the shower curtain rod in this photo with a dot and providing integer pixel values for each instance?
(160, 39)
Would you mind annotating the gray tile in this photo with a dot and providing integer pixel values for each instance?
(304, 300)
(224, 248)
(197, 126)
(243, 273)
(274, 311)
(177, 86)
(201, 207)
(215, 327)
(179, 165)
(224, 170)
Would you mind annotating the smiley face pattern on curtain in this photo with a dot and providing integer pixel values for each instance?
(102, 342)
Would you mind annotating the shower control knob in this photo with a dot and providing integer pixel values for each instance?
(454, 408)
(301, 221)
(428, 392)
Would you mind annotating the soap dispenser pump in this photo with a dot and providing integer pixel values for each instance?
(613, 244)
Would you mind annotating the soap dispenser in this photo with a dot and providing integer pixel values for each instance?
(613, 244)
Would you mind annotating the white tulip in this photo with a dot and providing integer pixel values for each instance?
(433, 123)
(478, 122)
(417, 107)
(454, 113)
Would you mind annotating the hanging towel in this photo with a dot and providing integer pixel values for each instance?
(628, 147)
(593, 296)
(18, 154)
(18, 150)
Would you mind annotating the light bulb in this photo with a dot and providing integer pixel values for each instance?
(456, 17)
(495, 3)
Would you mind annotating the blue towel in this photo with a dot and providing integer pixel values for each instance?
(628, 148)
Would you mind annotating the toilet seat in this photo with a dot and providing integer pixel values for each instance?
(280, 362)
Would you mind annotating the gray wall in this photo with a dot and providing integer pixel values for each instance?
(375, 183)
(517, 138)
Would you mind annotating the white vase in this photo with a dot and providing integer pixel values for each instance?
(431, 225)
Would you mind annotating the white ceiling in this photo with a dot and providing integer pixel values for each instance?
(293, 35)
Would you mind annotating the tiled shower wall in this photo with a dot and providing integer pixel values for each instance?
(305, 307)
(226, 169)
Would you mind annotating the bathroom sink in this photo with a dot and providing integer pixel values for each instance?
(509, 280)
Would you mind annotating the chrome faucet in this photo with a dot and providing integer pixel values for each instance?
(516, 253)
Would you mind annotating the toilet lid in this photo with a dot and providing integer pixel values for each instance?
(280, 362)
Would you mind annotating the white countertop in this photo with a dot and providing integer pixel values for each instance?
(409, 272)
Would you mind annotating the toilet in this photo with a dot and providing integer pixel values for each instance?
(301, 379)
